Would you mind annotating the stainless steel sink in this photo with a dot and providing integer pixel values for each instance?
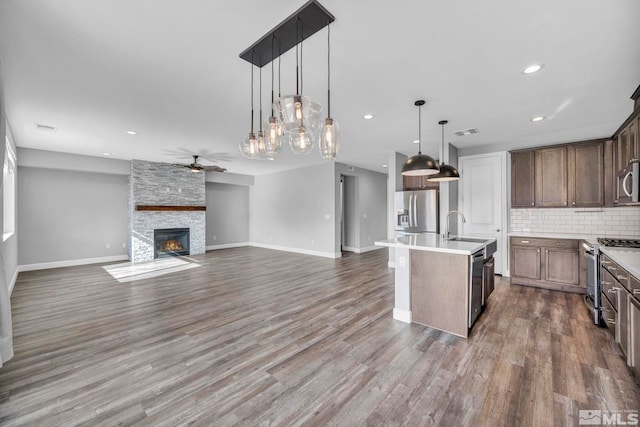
(467, 239)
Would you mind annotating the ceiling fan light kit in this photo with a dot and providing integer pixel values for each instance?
(294, 117)
(420, 164)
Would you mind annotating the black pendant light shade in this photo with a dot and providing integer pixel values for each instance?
(447, 172)
(420, 164)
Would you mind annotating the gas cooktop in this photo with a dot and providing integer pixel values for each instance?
(622, 242)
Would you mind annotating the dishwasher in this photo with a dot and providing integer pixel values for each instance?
(475, 286)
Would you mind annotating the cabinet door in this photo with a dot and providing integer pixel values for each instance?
(551, 177)
(562, 266)
(634, 334)
(587, 175)
(622, 151)
(525, 262)
(622, 332)
(418, 183)
(522, 179)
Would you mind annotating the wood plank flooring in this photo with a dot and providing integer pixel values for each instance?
(250, 336)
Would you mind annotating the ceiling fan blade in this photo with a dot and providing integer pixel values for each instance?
(213, 169)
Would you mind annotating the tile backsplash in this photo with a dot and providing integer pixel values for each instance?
(614, 222)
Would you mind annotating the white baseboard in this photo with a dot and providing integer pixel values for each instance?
(227, 246)
(297, 250)
(402, 315)
(361, 250)
(71, 263)
(12, 283)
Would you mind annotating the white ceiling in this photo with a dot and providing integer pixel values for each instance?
(170, 71)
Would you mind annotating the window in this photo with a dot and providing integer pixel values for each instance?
(8, 192)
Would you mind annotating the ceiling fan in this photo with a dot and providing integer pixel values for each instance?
(197, 167)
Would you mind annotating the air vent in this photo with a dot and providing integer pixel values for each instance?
(350, 168)
(45, 128)
(466, 132)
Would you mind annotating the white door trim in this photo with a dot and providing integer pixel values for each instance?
(504, 242)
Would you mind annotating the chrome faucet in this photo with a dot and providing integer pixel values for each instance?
(446, 233)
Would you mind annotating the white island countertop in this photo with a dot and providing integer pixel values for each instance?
(627, 258)
(435, 243)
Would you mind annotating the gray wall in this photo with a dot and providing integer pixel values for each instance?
(8, 248)
(296, 209)
(227, 213)
(69, 215)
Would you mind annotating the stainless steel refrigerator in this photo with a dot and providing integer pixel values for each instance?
(417, 211)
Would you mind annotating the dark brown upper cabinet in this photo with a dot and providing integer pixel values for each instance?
(523, 179)
(569, 175)
(626, 150)
(419, 183)
(551, 177)
(586, 174)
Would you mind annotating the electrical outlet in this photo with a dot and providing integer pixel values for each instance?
(327, 216)
(124, 245)
(402, 261)
(214, 237)
(108, 245)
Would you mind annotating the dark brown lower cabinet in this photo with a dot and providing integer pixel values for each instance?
(546, 263)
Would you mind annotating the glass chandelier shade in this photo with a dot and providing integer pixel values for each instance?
(249, 147)
(301, 140)
(329, 143)
(298, 110)
(273, 138)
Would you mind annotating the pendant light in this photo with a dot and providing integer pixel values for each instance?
(262, 149)
(420, 164)
(300, 114)
(447, 172)
(329, 143)
(249, 145)
(273, 136)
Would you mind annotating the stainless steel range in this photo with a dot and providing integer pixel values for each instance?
(591, 251)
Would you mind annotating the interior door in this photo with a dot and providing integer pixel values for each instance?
(482, 200)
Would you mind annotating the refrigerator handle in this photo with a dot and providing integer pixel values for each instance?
(410, 210)
(415, 210)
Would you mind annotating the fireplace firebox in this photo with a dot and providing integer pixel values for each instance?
(170, 242)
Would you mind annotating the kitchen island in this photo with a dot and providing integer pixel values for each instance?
(439, 282)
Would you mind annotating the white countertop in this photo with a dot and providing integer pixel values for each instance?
(627, 258)
(433, 242)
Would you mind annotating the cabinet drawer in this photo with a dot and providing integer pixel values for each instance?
(634, 287)
(609, 316)
(619, 273)
(609, 288)
(550, 243)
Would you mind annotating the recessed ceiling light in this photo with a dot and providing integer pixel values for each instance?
(106, 154)
(132, 132)
(368, 116)
(385, 166)
(533, 68)
(416, 141)
(538, 118)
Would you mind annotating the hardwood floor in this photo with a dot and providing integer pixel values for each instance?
(251, 336)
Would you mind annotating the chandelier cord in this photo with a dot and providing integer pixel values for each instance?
(252, 52)
(328, 70)
(297, 62)
(272, 40)
(260, 97)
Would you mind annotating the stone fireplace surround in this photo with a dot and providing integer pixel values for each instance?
(164, 184)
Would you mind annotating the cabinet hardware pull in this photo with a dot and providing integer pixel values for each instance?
(636, 291)
(612, 290)
(620, 277)
(604, 282)
(524, 241)
(574, 203)
(613, 322)
(561, 244)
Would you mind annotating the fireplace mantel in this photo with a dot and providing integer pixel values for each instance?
(169, 208)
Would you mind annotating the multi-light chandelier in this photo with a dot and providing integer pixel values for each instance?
(295, 119)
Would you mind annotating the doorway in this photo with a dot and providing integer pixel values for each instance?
(483, 200)
(348, 223)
